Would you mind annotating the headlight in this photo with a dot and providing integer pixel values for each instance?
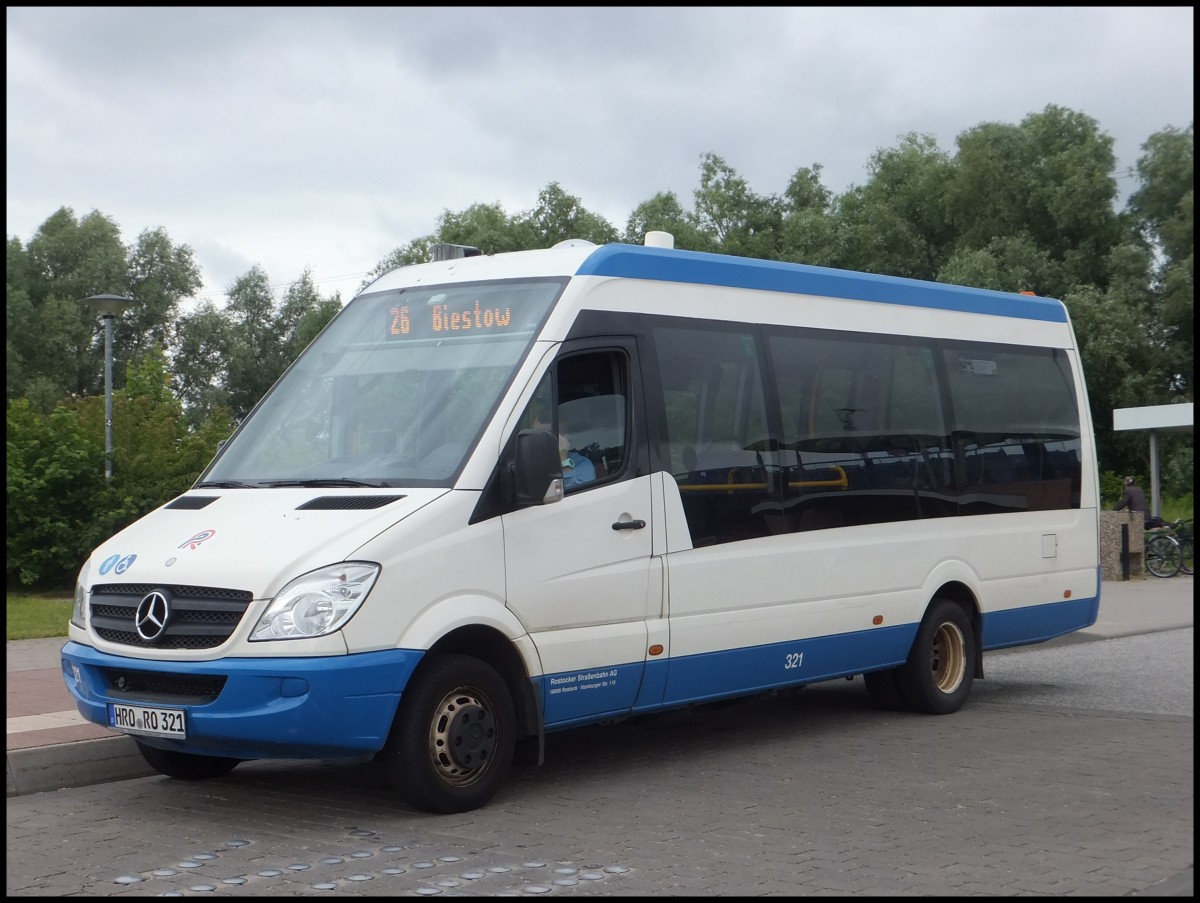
(317, 603)
(77, 616)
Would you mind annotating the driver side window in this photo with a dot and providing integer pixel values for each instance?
(583, 400)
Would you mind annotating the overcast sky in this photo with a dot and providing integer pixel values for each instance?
(324, 138)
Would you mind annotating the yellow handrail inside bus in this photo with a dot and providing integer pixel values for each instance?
(842, 482)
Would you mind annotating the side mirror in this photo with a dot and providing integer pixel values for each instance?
(537, 469)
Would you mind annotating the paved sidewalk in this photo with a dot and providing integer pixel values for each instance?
(50, 746)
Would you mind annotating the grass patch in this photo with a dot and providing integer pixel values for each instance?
(33, 617)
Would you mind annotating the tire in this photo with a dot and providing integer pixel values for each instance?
(1186, 553)
(1163, 558)
(451, 745)
(884, 691)
(186, 766)
(940, 670)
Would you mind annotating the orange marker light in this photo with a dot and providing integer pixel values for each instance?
(877, 620)
(656, 649)
(1067, 594)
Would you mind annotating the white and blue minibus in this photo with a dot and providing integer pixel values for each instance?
(503, 495)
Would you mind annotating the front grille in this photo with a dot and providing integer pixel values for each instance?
(201, 617)
(154, 686)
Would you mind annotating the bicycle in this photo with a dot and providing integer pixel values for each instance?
(1181, 531)
(1164, 554)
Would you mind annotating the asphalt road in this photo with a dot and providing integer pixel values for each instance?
(1069, 773)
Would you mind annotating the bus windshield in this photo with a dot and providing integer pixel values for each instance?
(395, 392)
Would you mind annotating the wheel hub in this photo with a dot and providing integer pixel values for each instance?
(464, 736)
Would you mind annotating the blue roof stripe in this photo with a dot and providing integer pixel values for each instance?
(670, 265)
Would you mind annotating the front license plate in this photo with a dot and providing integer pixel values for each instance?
(151, 722)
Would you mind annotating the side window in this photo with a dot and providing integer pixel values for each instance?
(863, 431)
(583, 399)
(717, 436)
(1016, 428)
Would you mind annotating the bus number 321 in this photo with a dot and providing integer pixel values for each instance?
(793, 660)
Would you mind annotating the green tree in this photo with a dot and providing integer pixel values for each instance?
(161, 274)
(559, 216)
(1049, 179)
(810, 232)
(264, 337)
(55, 486)
(737, 220)
(55, 342)
(1163, 206)
(202, 342)
(664, 213)
(897, 222)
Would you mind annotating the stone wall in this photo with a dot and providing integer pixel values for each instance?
(1110, 544)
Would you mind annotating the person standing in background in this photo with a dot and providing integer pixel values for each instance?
(1134, 499)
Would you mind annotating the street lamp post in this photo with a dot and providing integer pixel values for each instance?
(109, 307)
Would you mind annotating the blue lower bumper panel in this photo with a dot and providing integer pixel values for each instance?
(257, 708)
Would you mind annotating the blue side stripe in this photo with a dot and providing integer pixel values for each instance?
(1038, 623)
(670, 265)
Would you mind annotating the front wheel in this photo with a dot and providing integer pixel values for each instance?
(940, 669)
(186, 766)
(1163, 558)
(452, 742)
(1186, 554)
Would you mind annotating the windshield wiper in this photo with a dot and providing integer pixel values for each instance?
(225, 484)
(326, 482)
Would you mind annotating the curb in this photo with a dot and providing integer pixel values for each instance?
(79, 763)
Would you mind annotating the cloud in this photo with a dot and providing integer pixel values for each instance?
(324, 138)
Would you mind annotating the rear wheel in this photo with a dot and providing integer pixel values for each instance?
(940, 670)
(452, 742)
(1163, 558)
(186, 766)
